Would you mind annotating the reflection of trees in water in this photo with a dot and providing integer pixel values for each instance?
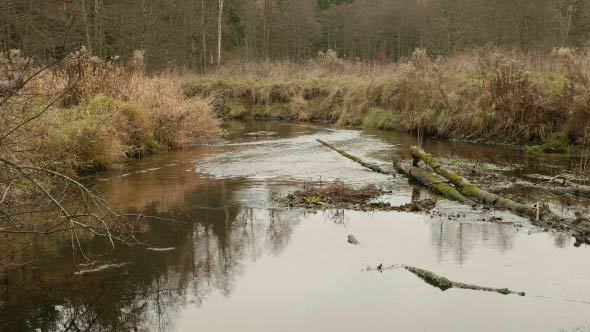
(147, 294)
(457, 239)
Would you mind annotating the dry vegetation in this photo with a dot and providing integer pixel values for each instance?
(490, 95)
(99, 113)
(332, 194)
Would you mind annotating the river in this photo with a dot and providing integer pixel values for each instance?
(237, 260)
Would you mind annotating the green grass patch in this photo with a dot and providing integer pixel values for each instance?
(379, 118)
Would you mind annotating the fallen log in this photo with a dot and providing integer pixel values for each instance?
(429, 180)
(424, 177)
(357, 160)
(468, 189)
(575, 190)
(579, 227)
(443, 283)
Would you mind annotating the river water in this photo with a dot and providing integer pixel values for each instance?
(240, 261)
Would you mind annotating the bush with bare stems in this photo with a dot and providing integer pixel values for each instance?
(78, 114)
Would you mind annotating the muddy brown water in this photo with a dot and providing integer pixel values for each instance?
(242, 262)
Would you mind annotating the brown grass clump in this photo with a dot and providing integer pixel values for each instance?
(176, 120)
(332, 194)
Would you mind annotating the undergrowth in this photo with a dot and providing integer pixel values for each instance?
(486, 95)
(85, 114)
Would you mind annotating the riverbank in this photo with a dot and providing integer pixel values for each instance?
(539, 102)
(84, 114)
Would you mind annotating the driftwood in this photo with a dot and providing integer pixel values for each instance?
(424, 177)
(443, 283)
(468, 189)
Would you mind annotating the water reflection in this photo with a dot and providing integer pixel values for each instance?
(458, 239)
(146, 294)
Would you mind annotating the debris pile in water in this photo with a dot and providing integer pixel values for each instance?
(333, 194)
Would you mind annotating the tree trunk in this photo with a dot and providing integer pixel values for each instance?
(86, 27)
(203, 39)
(219, 24)
(98, 27)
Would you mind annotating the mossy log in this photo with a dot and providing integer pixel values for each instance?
(576, 190)
(443, 283)
(373, 167)
(429, 180)
(424, 177)
(468, 189)
(579, 227)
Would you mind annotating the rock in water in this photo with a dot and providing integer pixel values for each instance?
(352, 240)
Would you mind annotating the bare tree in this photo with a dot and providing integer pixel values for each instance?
(219, 30)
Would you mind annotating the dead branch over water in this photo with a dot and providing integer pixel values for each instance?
(44, 144)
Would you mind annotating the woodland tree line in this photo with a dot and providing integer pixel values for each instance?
(186, 33)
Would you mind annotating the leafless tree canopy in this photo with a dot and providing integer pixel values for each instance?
(194, 34)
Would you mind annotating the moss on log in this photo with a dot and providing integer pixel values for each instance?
(579, 227)
(429, 180)
(424, 177)
(443, 283)
(468, 189)
(356, 159)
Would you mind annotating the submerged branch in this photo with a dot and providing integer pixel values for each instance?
(443, 283)
(357, 160)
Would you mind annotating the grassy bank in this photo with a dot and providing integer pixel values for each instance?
(542, 101)
(84, 114)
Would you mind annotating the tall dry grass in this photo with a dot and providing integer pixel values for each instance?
(87, 114)
(491, 94)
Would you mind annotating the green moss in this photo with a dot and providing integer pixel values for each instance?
(470, 191)
(260, 111)
(448, 191)
(431, 278)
